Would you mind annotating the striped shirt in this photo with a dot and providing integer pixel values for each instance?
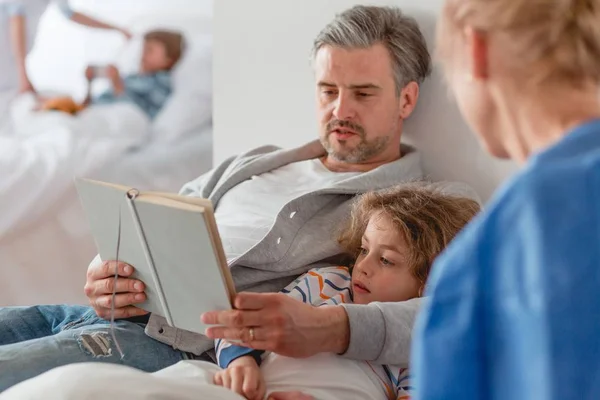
(325, 286)
(149, 92)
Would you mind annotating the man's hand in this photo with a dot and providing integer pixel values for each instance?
(100, 285)
(281, 324)
(243, 376)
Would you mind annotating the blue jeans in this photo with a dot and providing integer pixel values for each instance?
(34, 340)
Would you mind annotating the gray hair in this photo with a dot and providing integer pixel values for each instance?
(364, 26)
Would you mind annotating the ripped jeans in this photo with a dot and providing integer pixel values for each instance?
(36, 339)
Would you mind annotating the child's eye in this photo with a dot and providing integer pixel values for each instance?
(362, 251)
(385, 261)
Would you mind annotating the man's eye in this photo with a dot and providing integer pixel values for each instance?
(329, 93)
(363, 95)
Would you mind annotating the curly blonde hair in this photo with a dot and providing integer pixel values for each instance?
(426, 218)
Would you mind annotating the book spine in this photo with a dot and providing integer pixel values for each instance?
(131, 195)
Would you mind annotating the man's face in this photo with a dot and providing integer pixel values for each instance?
(358, 106)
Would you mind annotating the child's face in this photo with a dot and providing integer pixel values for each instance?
(154, 57)
(381, 272)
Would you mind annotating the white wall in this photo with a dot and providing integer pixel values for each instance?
(264, 87)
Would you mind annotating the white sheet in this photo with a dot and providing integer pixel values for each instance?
(45, 245)
(187, 380)
(39, 158)
(324, 376)
(6, 97)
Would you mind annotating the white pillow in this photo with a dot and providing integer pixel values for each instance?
(185, 113)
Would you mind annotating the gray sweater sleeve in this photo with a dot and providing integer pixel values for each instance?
(382, 332)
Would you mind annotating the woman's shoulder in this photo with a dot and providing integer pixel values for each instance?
(545, 196)
(571, 164)
(567, 173)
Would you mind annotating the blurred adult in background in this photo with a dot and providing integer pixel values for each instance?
(19, 21)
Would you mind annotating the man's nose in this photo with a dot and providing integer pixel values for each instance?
(344, 109)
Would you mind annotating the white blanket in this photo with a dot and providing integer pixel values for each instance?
(324, 376)
(56, 226)
(43, 151)
(187, 380)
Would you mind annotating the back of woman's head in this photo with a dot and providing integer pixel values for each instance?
(555, 40)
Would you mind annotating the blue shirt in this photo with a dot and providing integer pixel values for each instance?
(514, 303)
(149, 92)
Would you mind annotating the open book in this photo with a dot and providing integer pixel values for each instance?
(172, 242)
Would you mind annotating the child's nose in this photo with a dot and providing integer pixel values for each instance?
(365, 267)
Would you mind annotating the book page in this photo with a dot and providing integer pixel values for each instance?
(188, 268)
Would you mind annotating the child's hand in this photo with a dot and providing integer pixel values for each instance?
(112, 72)
(243, 376)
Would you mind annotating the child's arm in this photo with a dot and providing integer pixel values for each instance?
(319, 286)
(115, 77)
(228, 353)
(244, 377)
(90, 74)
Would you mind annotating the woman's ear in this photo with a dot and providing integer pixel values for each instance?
(477, 42)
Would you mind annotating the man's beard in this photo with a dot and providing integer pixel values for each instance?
(362, 152)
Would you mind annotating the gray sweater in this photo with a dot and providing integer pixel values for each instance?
(303, 237)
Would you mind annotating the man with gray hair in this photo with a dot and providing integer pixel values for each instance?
(276, 211)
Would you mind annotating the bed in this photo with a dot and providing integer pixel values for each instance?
(45, 245)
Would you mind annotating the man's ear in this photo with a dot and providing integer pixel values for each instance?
(408, 99)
